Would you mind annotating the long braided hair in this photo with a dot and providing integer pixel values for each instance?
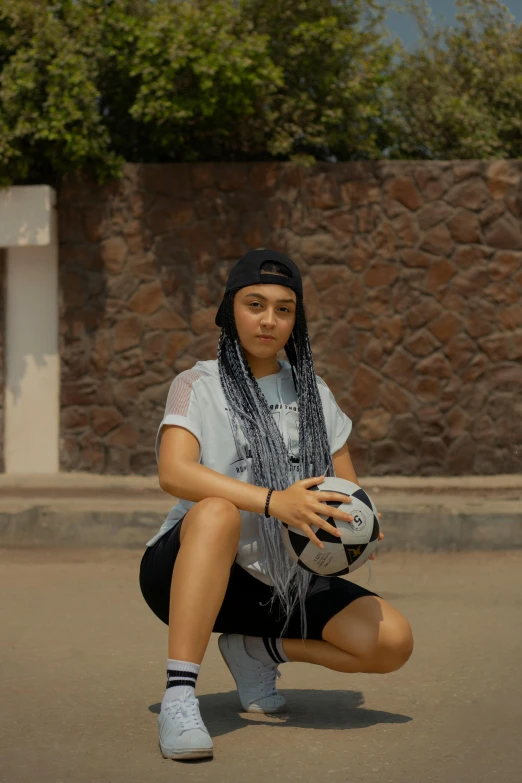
(270, 458)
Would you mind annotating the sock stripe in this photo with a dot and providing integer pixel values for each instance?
(272, 649)
(276, 649)
(181, 673)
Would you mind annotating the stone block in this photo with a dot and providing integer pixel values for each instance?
(403, 190)
(504, 264)
(203, 321)
(105, 419)
(148, 299)
(502, 176)
(128, 364)
(126, 436)
(460, 350)
(470, 194)
(503, 293)
(438, 241)
(127, 333)
(166, 319)
(394, 398)
(481, 319)
(231, 176)
(467, 169)
(74, 418)
(511, 317)
(422, 312)
(364, 387)
(321, 191)
(404, 430)
(263, 177)
(457, 422)
(360, 192)
(464, 227)
(169, 214)
(432, 214)
(407, 229)
(203, 175)
(322, 249)
(465, 257)
(439, 274)
(505, 234)
(277, 213)
(334, 303)
(437, 366)
(421, 343)
(325, 276)
(461, 454)
(491, 213)
(381, 274)
(374, 353)
(400, 366)
(426, 389)
(154, 344)
(474, 369)
(374, 424)
(445, 326)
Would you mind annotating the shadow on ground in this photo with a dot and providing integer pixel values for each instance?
(306, 709)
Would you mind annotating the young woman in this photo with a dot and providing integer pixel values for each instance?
(242, 440)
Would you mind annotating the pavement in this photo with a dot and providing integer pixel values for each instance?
(83, 673)
(423, 514)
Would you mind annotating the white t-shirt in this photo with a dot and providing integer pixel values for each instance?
(197, 403)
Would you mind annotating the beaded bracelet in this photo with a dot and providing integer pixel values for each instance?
(268, 503)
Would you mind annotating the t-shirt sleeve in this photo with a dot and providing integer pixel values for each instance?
(338, 424)
(182, 407)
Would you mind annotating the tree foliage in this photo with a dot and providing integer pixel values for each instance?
(88, 84)
(459, 94)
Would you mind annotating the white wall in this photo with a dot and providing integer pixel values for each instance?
(28, 228)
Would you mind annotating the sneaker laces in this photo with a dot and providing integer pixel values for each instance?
(187, 710)
(268, 675)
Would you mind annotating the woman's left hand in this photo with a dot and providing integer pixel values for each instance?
(381, 536)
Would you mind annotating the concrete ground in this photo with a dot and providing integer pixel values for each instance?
(83, 673)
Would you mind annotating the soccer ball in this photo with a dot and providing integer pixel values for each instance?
(343, 554)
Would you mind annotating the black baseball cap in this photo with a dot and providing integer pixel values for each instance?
(247, 271)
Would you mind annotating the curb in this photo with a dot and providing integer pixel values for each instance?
(409, 522)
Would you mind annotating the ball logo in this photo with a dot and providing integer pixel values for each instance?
(359, 522)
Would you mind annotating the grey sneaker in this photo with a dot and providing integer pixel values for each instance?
(256, 682)
(182, 733)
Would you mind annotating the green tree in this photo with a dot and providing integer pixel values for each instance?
(205, 83)
(335, 63)
(459, 94)
(50, 120)
(88, 84)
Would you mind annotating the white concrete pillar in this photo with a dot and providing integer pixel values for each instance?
(28, 228)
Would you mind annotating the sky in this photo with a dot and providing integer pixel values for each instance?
(405, 28)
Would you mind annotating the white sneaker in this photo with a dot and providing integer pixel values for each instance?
(255, 681)
(182, 733)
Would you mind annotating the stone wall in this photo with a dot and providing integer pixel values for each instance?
(413, 291)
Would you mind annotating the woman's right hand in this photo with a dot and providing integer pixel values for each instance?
(300, 508)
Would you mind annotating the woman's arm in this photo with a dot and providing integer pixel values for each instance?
(342, 463)
(181, 475)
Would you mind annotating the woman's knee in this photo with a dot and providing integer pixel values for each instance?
(216, 516)
(394, 649)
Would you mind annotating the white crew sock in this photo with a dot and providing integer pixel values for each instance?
(181, 680)
(267, 649)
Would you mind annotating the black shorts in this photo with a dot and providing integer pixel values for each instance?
(245, 608)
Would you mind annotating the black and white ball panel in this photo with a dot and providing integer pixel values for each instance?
(345, 553)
